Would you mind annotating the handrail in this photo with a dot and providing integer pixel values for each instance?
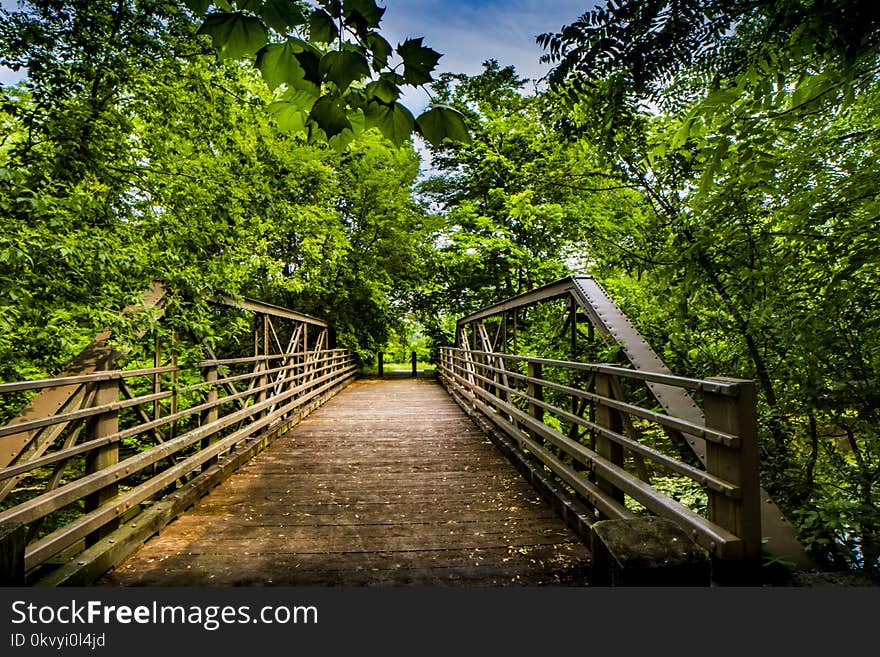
(720, 387)
(700, 476)
(54, 500)
(82, 448)
(123, 438)
(262, 409)
(259, 359)
(107, 375)
(643, 413)
(519, 406)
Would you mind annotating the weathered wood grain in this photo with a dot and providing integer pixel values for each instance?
(388, 484)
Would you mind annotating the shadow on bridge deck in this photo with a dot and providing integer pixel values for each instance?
(388, 484)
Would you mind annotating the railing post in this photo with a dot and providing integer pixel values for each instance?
(289, 380)
(157, 378)
(12, 542)
(381, 366)
(535, 391)
(608, 418)
(100, 426)
(261, 380)
(414, 359)
(261, 345)
(736, 415)
(172, 429)
(212, 413)
(305, 357)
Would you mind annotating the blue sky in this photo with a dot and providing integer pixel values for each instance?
(467, 32)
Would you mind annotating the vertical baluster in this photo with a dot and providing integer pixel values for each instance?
(263, 366)
(157, 379)
(736, 415)
(536, 391)
(213, 413)
(100, 426)
(610, 419)
(173, 428)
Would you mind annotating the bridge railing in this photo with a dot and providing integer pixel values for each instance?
(124, 440)
(618, 455)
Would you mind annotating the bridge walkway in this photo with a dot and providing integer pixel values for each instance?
(388, 484)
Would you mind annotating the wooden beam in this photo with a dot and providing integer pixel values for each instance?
(103, 457)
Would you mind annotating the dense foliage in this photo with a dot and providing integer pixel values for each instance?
(755, 142)
(714, 164)
(132, 154)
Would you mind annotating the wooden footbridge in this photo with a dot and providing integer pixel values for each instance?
(282, 467)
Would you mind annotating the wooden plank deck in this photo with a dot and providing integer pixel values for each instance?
(387, 484)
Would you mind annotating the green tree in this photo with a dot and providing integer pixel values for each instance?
(753, 143)
(132, 155)
(385, 243)
(521, 205)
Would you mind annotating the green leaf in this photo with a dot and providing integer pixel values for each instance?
(322, 27)
(329, 115)
(358, 121)
(418, 61)
(279, 65)
(304, 100)
(248, 5)
(722, 98)
(289, 116)
(384, 90)
(198, 7)
(343, 67)
(235, 35)
(367, 9)
(394, 121)
(311, 63)
(443, 122)
(811, 88)
(683, 133)
(707, 179)
(281, 15)
(341, 141)
(380, 48)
